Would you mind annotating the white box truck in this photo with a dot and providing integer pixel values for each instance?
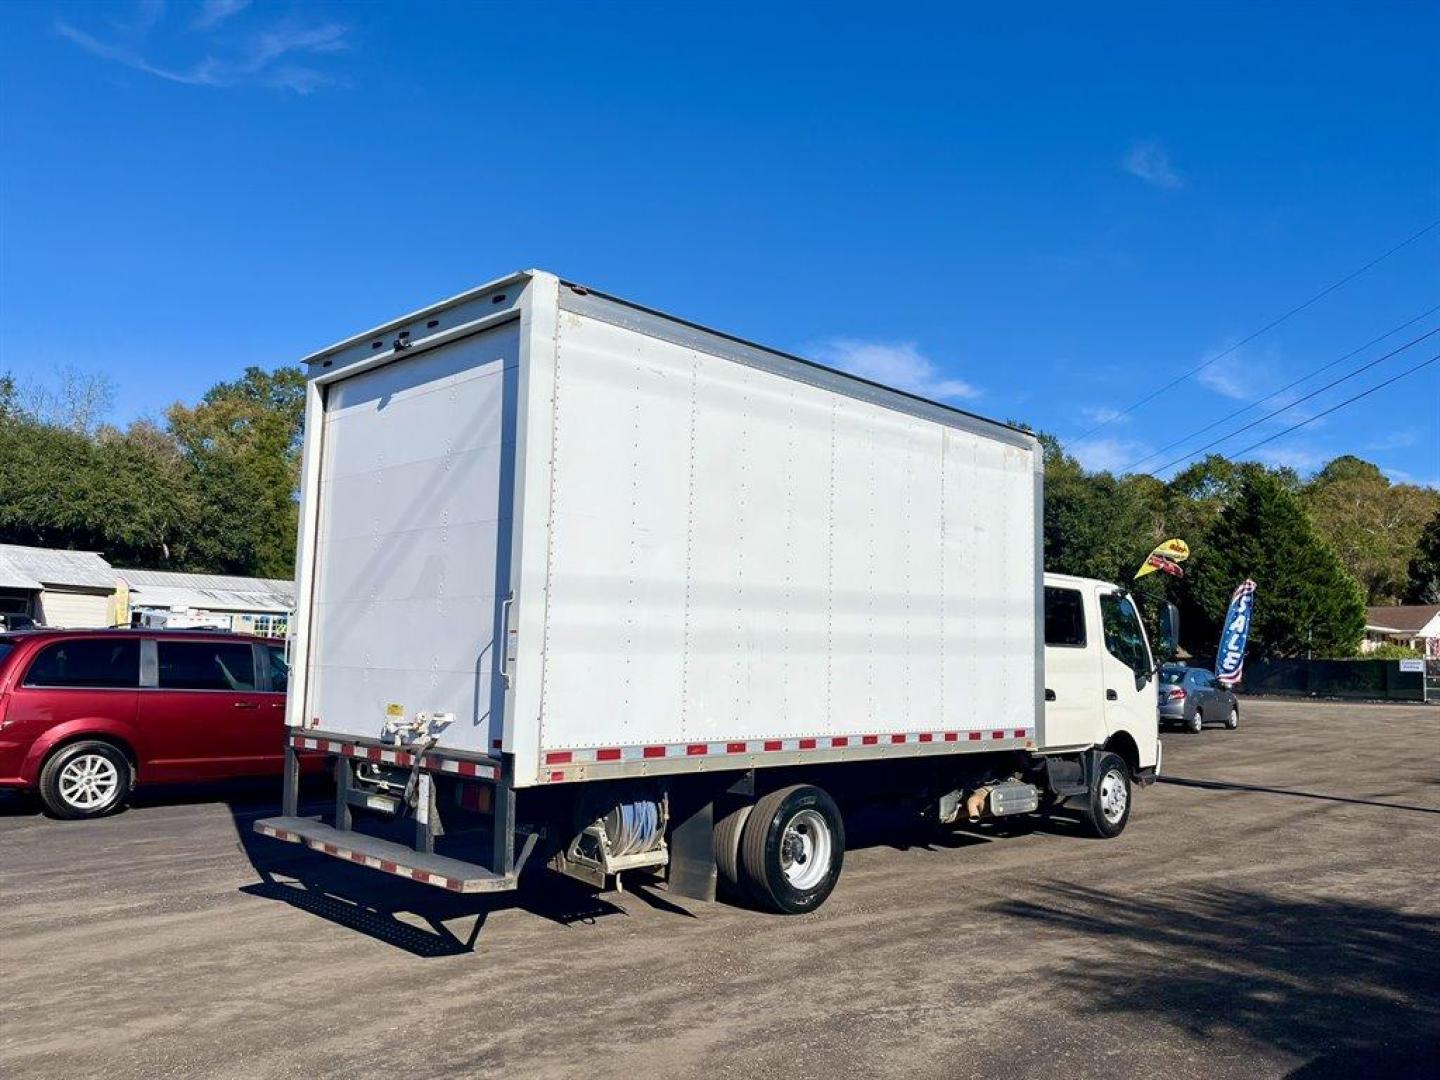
(584, 585)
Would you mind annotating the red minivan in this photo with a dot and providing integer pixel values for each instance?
(85, 715)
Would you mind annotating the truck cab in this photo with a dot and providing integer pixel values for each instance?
(1099, 673)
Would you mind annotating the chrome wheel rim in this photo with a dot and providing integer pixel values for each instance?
(805, 850)
(89, 781)
(1234, 717)
(1114, 796)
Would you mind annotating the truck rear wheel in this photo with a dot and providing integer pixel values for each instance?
(1107, 806)
(728, 831)
(792, 848)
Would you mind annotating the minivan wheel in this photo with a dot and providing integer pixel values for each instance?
(85, 780)
(792, 847)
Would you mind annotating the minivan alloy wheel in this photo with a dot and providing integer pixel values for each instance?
(89, 781)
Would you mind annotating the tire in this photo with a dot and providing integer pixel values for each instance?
(1196, 723)
(1233, 720)
(1107, 806)
(728, 831)
(85, 780)
(792, 849)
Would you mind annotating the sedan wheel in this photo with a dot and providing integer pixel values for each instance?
(1233, 720)
(1196, 722)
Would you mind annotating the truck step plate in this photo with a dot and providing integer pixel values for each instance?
(384, 855)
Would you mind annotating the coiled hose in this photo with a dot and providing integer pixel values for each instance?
(637, 827)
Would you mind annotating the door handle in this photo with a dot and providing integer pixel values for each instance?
(1111, 695)
(1049, 694)
(246, 705)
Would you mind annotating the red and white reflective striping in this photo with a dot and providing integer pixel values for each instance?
(604, 754)
(389, 867)
(394, 757)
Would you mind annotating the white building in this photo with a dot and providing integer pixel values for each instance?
(59, 588)
(242, 604)
(1415, 626)
(54, 587)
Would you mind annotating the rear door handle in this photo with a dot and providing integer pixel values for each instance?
(1111, 695)
(1049, 694)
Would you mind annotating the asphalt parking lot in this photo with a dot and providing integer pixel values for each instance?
(1272, 910)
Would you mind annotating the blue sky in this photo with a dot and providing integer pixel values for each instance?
(1035, 212)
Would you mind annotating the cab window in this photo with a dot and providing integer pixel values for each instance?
(1064, 617)
(1124, 639)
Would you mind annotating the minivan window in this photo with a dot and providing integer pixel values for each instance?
(87, 663)
(205, 665)
(1064, 617)
(1124, 639)
(279, 669)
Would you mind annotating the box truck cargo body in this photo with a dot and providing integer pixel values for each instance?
(610, 582)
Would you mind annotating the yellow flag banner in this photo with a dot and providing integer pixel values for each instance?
(1166, 557)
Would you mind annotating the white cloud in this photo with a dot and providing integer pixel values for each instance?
(899, 364)
(1396, 440)
(1228, 379)
(266, 58)
(214, 12)
(1103, 414)
(1108, 455)
(1150, 161)
(1302, 459)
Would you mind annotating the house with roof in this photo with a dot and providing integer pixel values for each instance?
(1415, 626)
(59, 588)
(67, 589)
(216, 601)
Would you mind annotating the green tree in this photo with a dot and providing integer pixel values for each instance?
(1423, 586)
(1095, 524)
(242, 442)
(1372, 524)
(1305, 602)
(1196, 494)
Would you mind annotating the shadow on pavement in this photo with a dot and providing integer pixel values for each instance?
(1227, 785)
(1351, 988)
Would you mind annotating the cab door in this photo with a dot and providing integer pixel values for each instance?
(1127, 672)
(1074, 715)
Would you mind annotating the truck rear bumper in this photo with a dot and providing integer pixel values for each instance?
(387, 856)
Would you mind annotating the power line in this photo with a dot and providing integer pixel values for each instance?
(1263, 330)
(1341, 405)
(1298, 401)
(1276, 393)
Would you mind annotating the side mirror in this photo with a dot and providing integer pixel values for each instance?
(1167, 644)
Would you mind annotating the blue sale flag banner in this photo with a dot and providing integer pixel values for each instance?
(1230, 661)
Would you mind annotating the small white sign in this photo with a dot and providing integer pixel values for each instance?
(1412, 665)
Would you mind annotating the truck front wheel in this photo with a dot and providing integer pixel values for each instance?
(1107, 807)
(792, 849)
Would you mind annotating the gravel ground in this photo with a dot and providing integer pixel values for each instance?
(1272, 910)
